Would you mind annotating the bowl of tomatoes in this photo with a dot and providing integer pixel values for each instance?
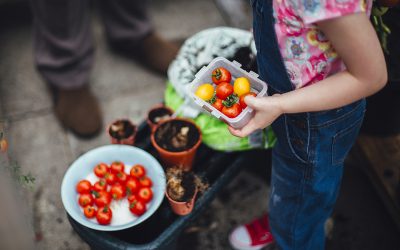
(113, 187)
(220, 88)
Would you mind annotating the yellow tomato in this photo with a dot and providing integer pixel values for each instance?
(205, 91)
(241, 86)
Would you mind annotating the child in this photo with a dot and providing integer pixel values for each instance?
(320, 58)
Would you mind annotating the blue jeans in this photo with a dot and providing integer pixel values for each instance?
(308, 158)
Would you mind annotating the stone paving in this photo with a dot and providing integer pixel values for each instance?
(125, 89)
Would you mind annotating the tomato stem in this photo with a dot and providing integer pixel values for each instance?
(230, 100)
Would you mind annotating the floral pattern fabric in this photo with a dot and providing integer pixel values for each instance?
(307, 54)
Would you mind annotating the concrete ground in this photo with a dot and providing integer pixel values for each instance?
(126, 89)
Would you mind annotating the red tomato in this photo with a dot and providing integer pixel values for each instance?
(138, 171)
(100, 185)
(100, 170)
(137, 208)
(83, 186)
(117, 191)
(221, 75)
(110, 178)
(85, 199)
(145, 194)
(89, 211)
(218, 104)
(132, 198)
(117, 167)
(145, 182)
(3, 145)
(102, 198)
(224, 90)
(233, 111)
(132, 185)
(122, 177)
(241, 100)
(104, 215)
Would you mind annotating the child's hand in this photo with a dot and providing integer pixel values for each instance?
(266, 109)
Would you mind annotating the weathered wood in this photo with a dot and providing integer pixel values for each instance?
(379, 157)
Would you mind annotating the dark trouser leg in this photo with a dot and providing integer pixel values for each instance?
(126, 21)
(63, 48)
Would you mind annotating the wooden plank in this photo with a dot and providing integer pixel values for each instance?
(379, 157)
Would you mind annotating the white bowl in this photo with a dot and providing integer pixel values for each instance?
(83, 167)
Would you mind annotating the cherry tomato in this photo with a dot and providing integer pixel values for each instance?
(3, 145)
(100, 185)
(117, 167)
(221, 75)
(145, 181)
(85, 199)
(138, 171)
(102, 198)
(218, 104)
(117, 191)
(104, 215)
(224, 90)
(132, 185)
(233, 111)
(89, 211)
(205, 91)
(83, 186)
(100, 170)
(110, 178)
(241, 86)
(132, 198)
(145, 194)
(122, 177)
(137, 208)
(241, 100)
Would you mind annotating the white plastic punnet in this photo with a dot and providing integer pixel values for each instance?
(204, 76)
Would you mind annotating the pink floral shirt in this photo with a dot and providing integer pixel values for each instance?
(308, 56)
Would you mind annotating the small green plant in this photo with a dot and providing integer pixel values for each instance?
(13, 168)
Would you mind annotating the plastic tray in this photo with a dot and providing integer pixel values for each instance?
(204, 76)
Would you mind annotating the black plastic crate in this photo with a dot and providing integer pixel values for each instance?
(162, 229)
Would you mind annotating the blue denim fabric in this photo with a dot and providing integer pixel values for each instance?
(308, 158)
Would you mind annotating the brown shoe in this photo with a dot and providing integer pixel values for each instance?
(153, 51)
(79, 111)
(157, 53)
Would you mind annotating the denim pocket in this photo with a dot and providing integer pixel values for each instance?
(343, 141)
(298, 135)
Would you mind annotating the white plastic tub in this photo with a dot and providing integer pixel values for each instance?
(204, 76)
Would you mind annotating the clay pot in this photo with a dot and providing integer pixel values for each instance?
(182, 207)
(156, 109)
(183, 159)
(128, 140)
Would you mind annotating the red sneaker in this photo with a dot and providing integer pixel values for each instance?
(252, 236)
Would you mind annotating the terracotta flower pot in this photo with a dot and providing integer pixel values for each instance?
(184, 158)
(182, 207)
(129, 139)
(160, 108)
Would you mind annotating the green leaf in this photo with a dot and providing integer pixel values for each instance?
(230, 100)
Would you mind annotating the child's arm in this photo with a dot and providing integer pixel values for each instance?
(355, 41)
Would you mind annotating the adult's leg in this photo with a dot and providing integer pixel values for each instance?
(63, 53)
(63, 48)
(129, 28)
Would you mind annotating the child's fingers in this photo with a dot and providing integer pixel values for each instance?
(252, 102)
(243, 132)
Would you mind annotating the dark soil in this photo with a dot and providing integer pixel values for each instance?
(121, 129)
(188, 185)
(169, 137)
(158, 113)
